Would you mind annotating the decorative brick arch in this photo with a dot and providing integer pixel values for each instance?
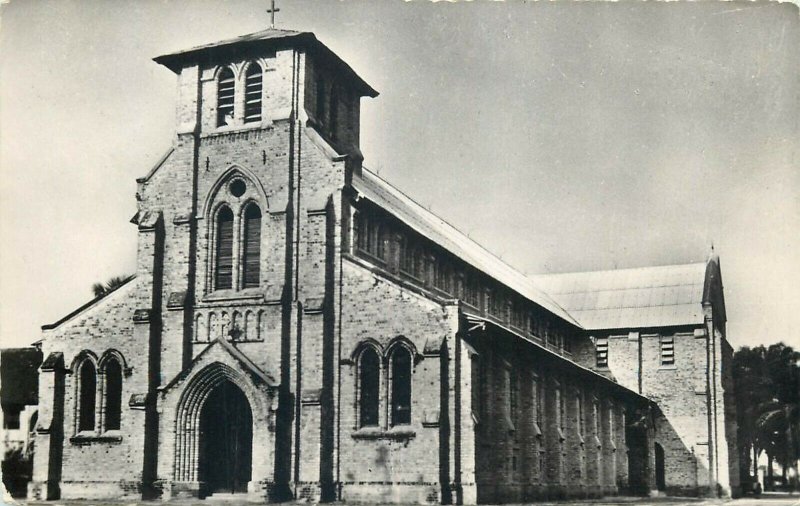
(211, 201)
(187, 420)
(215, 200)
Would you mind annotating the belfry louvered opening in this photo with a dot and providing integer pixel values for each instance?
(601, 352)
(253, 87)
(251, 261)
(667, 350)
(225, 92)
(223, 275)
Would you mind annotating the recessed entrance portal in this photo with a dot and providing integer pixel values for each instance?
(226, 441)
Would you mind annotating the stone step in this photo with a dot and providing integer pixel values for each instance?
(228, 496)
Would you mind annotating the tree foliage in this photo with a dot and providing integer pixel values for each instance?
(767, 390)
(112, 284)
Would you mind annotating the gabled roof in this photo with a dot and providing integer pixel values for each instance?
(660, 296)
(396, 203)
(90, 304)
(232, 350)
(270, 38)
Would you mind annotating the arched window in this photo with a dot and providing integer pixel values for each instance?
(223, 275)
(253, 85)
(113, 394)
(400, 364)
(334, 113)
(368, 387)
(320, 108)
(225, 90)
(87, 389)
(252, 247)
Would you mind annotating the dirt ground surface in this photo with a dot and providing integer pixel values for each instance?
(768, 499)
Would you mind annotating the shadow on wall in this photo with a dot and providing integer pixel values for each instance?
(685, 473)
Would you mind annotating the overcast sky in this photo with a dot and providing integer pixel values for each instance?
(562, 136)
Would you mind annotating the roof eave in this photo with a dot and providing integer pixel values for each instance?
(176, 61)
(578, 368)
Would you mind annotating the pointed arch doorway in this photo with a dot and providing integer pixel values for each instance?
(226, 441)
(661, 481)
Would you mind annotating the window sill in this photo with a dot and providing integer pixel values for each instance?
(401, 432)
(244, 127)
(411, 277)
(228, 295)
(370, 257)
(86, 437)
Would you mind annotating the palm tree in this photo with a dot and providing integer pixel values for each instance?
(777, 423)
(767, 390)
(101, 290)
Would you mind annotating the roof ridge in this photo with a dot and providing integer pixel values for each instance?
(88, 305)
(458, 241)
(233, 39)
(484, 248)
(644, 267)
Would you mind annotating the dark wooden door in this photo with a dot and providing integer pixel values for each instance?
(226, 440)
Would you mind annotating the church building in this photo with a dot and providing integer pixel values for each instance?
(298, 328)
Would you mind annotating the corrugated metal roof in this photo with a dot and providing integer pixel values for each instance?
(271, 36)
(268, 34)
(383, 194)
(630, 298)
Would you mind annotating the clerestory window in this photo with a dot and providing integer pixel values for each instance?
(370, 235)
(333, 119)
(320, 106)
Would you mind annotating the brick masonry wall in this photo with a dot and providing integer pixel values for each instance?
(519, 459)
(682, 396)
(87, 456)
(402, 462)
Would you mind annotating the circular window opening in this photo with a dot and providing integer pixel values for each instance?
(237, 187)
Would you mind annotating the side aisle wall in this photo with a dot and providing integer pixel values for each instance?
(386, 462)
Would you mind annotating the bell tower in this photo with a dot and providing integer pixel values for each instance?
(246, 209)
(252, 81)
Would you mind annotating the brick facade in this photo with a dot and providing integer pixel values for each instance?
(504, 404)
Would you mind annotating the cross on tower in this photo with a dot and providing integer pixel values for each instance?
(272, 10)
